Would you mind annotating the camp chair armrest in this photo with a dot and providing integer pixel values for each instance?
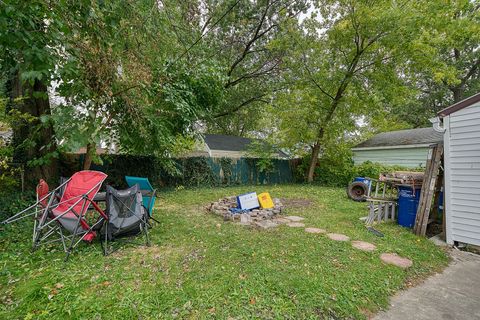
(149, 193)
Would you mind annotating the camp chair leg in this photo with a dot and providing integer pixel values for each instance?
(155, 220)
(74, 233)
(145, 230)
(104, 242)
(40, 225)
(62, 237)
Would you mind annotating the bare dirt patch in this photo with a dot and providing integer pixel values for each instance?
(293, 203)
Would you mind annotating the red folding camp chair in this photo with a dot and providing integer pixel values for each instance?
(53, 215)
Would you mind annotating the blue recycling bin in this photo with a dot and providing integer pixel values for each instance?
(407, 205)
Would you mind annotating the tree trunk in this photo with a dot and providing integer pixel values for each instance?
(457, 90)
(33, 140)
(313, 161)
(457, 93)
(87, 162)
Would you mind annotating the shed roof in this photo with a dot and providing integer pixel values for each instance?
(420, 136)
(227, 143)
(460, 105)
(230, 143)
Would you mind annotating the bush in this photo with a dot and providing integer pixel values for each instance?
(339, 172)
(373, 169)
(13, 202)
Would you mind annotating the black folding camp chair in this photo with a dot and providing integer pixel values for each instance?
(126, 216)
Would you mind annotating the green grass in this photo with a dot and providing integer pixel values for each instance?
(201, 267)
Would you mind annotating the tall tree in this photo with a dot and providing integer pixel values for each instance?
(341, 63)
(28, 40)
(120, 86)
(445, 58)
(239, 37)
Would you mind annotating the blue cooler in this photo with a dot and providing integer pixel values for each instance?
(366, 181)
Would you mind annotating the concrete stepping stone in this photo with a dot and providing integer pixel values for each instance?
(295, 218)
(296, 224)
(266, 224)
(338, 237)
(281, 220)
(315, 230)
(364, 246)
(396, 260)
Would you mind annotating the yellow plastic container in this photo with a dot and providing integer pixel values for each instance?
(265, 200)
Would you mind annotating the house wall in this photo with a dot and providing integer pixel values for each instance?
(412, 157)
(462, 175)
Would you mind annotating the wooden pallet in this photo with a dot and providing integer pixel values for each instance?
(382, 202)
(431, 183)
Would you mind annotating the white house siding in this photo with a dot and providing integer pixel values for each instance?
(462, 172)
(413, 157)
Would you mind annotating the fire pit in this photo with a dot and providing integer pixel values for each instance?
(263, 218)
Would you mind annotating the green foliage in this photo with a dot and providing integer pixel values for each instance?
(337, 169)
(243, 44)
(9, 174)
(226, 171)
(373, 170)
(341, 71)
(13, 201)
(264, 152)
(197, 172)
(443, 65)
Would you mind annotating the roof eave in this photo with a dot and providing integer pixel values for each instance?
(459, 105)
(405, 146)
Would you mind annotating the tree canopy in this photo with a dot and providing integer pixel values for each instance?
(147, 77)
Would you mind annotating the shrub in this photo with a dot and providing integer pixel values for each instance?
(13, 202)
(373, 169)
(341, 171)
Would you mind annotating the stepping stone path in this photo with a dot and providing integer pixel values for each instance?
(364, 246)
(295, 218)
(338, 237)
(266, 224)
(315, 230)
(281, 220)
(392, 258)
(296, 224)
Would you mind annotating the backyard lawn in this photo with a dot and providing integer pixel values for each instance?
(202, 267)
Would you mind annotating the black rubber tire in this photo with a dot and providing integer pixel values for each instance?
(357, 191)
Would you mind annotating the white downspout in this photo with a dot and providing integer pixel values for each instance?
(437, 124)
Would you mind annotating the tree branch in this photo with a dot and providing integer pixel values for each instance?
(314, 81)
(472, 71)
(255, 37)
(240, 106)
(256, 73)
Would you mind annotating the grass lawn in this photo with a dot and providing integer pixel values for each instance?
(202, 267)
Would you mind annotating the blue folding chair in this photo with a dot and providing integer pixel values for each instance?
(148, 192)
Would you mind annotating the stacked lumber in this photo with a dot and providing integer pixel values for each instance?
(431, 185)
(396, 178)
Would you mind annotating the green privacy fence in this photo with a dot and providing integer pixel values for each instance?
(195, 171)
(246, 171)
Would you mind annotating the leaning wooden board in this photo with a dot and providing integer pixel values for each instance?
(428, 189)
